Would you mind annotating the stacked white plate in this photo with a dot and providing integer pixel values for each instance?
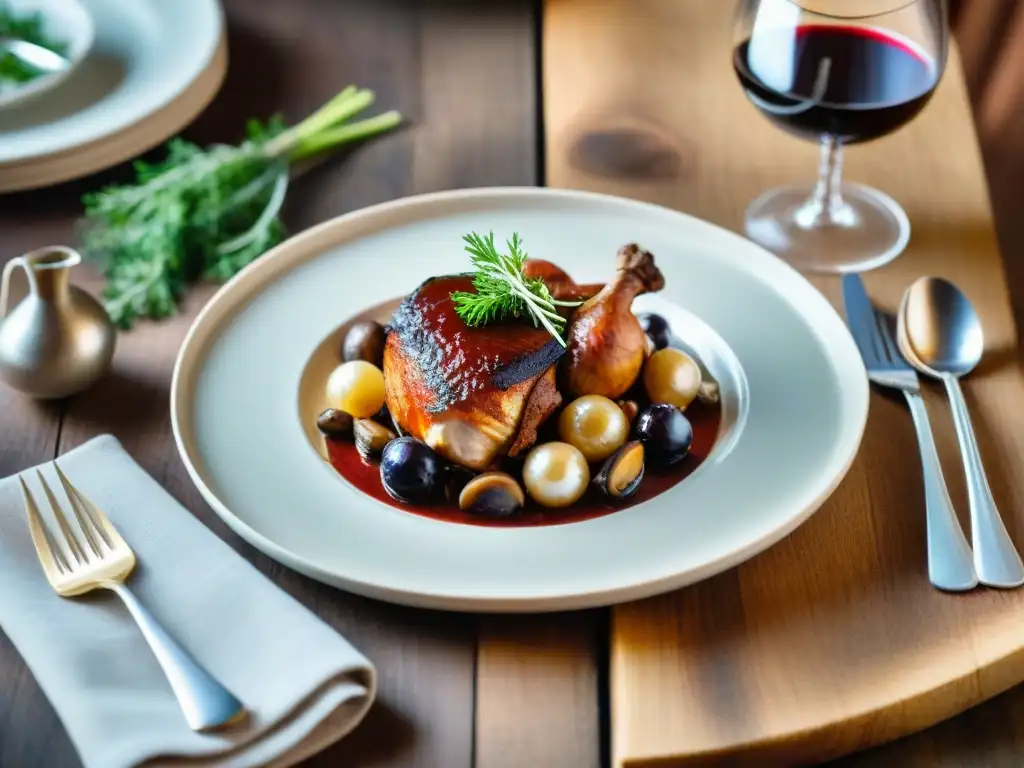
(152, 66)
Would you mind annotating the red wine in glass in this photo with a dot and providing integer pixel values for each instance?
(830, 71)
(874, 82)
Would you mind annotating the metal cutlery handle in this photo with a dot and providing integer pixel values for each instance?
(949, 556)
(995, 558)
(205, 702)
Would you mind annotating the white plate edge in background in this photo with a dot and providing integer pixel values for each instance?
(98, 122)
(80, 44)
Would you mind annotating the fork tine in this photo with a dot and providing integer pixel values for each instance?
(69, 536)
(860, 318)
(887, 325)
(49, 554)
(885, 334)
(883, 348)
(85, 521)
(97, 517)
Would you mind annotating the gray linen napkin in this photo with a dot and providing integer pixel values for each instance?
(303, 685)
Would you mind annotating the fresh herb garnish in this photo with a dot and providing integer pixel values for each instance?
(30, 28)
(206, 213)
(503, 291)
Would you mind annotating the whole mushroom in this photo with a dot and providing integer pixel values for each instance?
(365, 341)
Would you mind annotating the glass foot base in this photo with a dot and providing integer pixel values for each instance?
(863, 228)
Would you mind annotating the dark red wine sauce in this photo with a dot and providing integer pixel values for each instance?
(704, 418)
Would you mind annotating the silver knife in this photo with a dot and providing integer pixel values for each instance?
(950, 565)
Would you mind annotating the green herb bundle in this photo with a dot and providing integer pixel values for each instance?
(206, 213)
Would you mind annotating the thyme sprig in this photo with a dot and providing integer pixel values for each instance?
(503, 290)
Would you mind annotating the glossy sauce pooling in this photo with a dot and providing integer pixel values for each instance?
(455, 361)
(705, 420)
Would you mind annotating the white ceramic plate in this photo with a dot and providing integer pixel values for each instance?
(795, 399)
(145, 53)
(66, 21)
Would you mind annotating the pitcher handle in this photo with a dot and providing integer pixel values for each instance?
(5, 280)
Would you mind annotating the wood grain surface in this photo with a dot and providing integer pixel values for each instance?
(442, 66)
(832, 640)
(628, 112)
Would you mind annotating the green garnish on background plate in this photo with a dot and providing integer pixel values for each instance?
(28, 27)
(503, 291)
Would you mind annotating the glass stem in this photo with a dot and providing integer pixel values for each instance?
(830, 177)
(826, 207)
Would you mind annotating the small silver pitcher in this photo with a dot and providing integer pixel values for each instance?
(58, 340)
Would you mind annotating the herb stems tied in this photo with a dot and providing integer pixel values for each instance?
(503, 291)
(207, 213)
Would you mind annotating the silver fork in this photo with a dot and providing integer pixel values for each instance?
(950, 565)
(98, 558)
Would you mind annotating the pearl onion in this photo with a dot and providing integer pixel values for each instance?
(357, 388)
(595, 425)
(556, 474)
(671, 376)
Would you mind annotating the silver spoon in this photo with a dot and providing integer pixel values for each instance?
(34, 55)
(940, 334)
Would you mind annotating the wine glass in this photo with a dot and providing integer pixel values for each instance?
(839, 72)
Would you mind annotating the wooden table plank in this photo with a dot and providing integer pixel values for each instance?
(990, 735)
(536, 676)
(807, 651)
(421, 58)
(28, 428)
(538, 691)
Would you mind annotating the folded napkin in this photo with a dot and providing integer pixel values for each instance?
(303, 685)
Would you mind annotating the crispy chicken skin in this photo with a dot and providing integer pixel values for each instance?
(474, 395)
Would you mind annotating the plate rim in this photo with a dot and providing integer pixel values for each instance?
(859, 397)
(136, 139)
(50, 81)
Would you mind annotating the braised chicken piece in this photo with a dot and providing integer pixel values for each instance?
(606, 345)
(474, 395)
(478, 394)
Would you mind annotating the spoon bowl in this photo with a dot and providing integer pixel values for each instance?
(938, 330)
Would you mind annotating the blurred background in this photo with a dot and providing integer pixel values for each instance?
(990, 34)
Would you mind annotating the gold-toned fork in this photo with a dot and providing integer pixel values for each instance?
(98, 558)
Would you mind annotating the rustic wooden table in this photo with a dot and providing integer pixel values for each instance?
(456, 690)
